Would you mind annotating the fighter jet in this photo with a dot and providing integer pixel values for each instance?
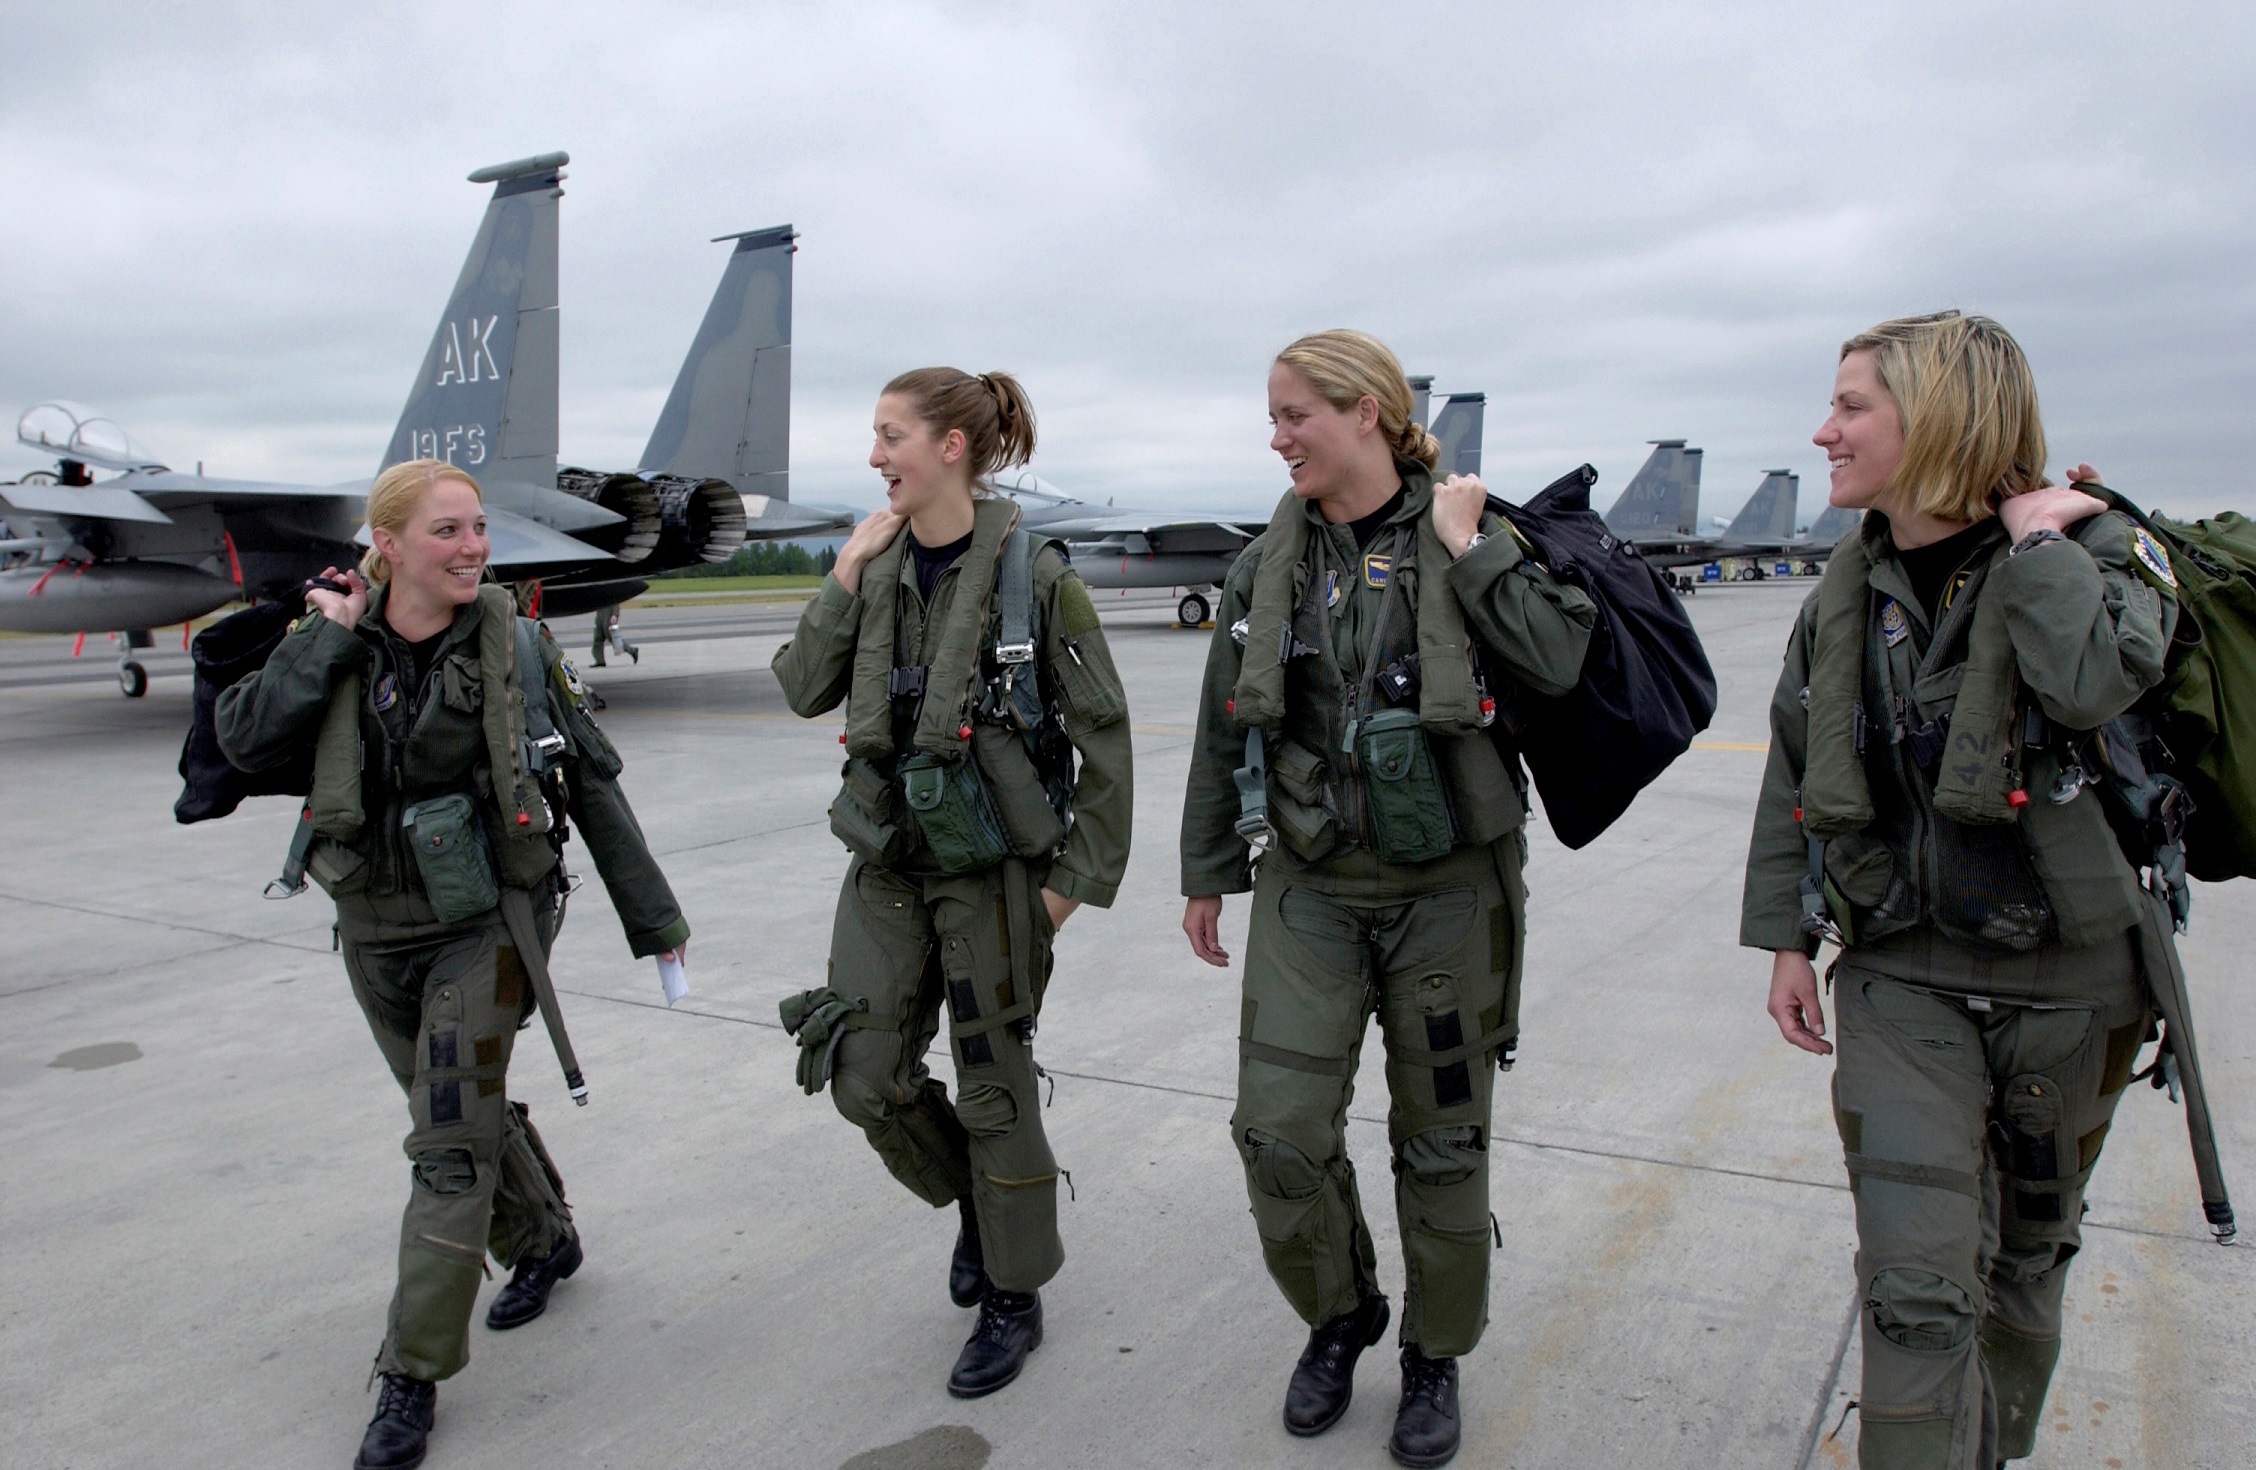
(1659, 513)
(153, 546)
(1114, 547)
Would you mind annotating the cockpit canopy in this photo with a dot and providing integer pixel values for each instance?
(73, 431)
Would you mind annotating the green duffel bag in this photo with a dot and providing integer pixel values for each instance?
(949, 802)
(1402, 785)
(448, 838)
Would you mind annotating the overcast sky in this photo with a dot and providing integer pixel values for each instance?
(233, 227)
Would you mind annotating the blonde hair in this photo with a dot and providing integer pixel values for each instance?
(392, 501)
(1972, 435)
(1346, 367)
(991, 409)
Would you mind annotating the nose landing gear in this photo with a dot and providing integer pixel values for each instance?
(133, 676)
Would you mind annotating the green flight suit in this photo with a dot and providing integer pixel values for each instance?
(445, 1001)
(1433, 948)
(906, 938)
(1974, 1081)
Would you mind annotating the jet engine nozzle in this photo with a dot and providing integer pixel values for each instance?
(704, 519)
(627, 495)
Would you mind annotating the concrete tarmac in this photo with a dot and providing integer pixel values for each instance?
(200, 1174)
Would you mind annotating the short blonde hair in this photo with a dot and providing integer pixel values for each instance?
(392, 501)
(1345, 367)
(1972, 434)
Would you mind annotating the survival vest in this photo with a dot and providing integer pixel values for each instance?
(523, 743)
(1400, 760)
(1646, 687)
(954, 765)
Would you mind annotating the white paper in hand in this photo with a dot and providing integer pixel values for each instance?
(673, 977)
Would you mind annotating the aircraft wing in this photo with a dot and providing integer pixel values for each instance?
(769, 519)
(1145, 536)
(95, 502)
(520, 543)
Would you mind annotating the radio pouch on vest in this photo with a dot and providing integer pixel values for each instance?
(449, 842)
(949, 802)
(1409, 812)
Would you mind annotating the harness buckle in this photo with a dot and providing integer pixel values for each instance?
(1015, 653)
(905, 682)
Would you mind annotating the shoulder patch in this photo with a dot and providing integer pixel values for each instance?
(2152, 555)
(571, 678)
(1074, 607)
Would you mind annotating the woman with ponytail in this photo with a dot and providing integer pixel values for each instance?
(433, 828)
(1366, 643)
(987, 796)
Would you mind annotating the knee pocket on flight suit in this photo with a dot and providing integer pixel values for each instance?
(1277, 1169)
(446, 1171)
(1443, 1156)
(858, 1102)
(986, 1110)
(1919, 1310)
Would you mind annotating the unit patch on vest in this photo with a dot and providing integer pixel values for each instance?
(1332, 592)
(572, 681)
(1894, 626)
(1377, 567)
(2151, 556)
(387, 692)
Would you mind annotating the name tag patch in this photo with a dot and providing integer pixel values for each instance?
(1377, 568)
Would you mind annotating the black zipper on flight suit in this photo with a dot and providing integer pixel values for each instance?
(1927, 852)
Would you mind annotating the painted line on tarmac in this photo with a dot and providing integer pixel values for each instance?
(73, 908)
(1832, 1380)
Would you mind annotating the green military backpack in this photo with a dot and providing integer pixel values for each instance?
(2205, 707)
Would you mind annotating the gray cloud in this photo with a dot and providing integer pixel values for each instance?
(233, 229)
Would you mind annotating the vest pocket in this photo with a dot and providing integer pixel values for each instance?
(1022, 800)
(1409, 813)
(865, 818)
(949, 802)
(337, 868)
(1301, 811)
(449, 843)
(1484, 801)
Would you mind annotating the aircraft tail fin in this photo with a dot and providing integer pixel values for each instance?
(485, 396)
(1663, 497)
(1458, 427)
(1833, 525)
(729, 415)
(1768, 514)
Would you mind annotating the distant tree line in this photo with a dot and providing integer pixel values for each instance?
(765, 559)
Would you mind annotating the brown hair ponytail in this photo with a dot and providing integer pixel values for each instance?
(991, 410)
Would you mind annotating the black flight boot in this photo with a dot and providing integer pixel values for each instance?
(526, 1295)
(1324, 1381)
(1010, 1327)
(396, 1435)
(967, 1272)
(1427, 1426)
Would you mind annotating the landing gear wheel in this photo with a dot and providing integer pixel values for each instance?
(133, 680)
(1193, 611)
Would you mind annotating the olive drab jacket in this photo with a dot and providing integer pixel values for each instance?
(1527, 629)
(410, 744)
(2089, 620)
(840, 653)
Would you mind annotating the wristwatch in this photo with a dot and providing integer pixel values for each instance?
(1477, 538)
(2037, 537)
